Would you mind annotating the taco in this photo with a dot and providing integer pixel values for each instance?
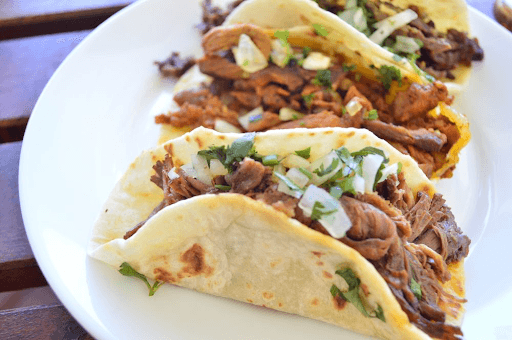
(332, 224)
(279, 76)
(430, 35)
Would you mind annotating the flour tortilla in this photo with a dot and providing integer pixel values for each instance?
(232, 246)
(295, 13)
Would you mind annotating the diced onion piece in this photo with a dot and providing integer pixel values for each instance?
(217, 168)
(172, 174)
(390, 24)
(326, 161)
(389, 170)
(278, 168)
(295, 161)
(248, 56)
(297, 177)
(358, 184)
(316, 61)
(280, 53)
(336, 223)
(202, 169)
(371, 164)
(351, 4)
(286, 113)
(224, 127)
(353, 106)
(189, 170)
(355, 18)
(282, 187)
(251, 116)
(406, 44)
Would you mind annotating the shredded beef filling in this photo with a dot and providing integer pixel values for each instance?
(441, 52)
(404, 237)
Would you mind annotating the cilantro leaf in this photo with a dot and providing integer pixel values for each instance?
(352, 295)
(306, 153)
(308, 98)
(282, 36)
(223, 187)
(214, 152)
(416, 288)
(348, 68)
(305, 51)
(320, 30)
(388, 74)
(336, 192)
(127, 270)
(323, 78)
(237, 151)
(322, 172)
(370, 150)
(371, 115)
(319, 211)
(288, 182)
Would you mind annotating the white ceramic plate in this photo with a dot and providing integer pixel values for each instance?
(94, 118)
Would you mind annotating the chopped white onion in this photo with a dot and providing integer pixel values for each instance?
(224, 127)
(358, 184)
(189, 170)
(282, 187)
(390, 24)
(297, 177)
(371, 164)
(280, 53)
(326, 161)
(202, 170)
(217, 168)
(295, 161)
(336, 223)
(351, 4)
(172, 174)
(353, 106)
(248, 56)
(251, 116)
(286, 113)
(355, 18)
(389, 170)
(316, 61)
(406, 44)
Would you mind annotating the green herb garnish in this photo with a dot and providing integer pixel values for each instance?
(416, 288)
(223, 187)
(319, 211)
(388, 74)
(289, 183)
(306, 153)
(270, 160)
(306, 172)
(323, 78)
(322, 172)
(320, 30)
(370, 150)
(399, 168)
(336, 192)
(237, 151)
(305, 51)
(308, 98)
(282, 36)
(371, 115)
(348, 68)
(127, 270)
(352, 295)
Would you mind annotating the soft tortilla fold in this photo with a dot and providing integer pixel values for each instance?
(340, 43)
(447, 14)
(232, 246)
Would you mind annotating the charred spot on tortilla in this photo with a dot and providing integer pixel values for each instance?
(317, 253)
(161, 274)
(199, 142)
(194, 257)
(268, 295)
(320, 263)
(339, 303)
(327, 275)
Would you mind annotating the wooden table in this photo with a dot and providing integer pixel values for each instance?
(35, 37)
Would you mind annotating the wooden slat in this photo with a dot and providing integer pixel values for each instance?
(41, 322)
(26, 65)
(82, 19)
(18, 268)
(23, 8)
